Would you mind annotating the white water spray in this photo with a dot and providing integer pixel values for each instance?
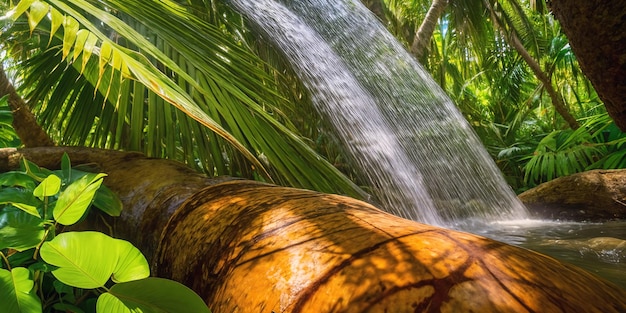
(407, 138)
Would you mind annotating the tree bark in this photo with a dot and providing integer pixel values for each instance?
(597, 34)
(377, 7)
(24, 122)
(245, 245)
(427, 28)
(556, 99)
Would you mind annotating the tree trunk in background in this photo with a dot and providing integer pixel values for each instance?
(248, 246)
(377, 7)
(512, 39)
(555, 97)
(596, 30)
(426, 30)
(24, 122)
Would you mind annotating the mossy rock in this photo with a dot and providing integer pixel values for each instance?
(589, 196)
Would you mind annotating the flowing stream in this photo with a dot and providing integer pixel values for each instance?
(403, 134)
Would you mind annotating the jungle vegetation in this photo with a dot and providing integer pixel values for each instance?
(190, 81)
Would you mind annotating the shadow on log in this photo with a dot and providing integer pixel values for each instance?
(250, 247)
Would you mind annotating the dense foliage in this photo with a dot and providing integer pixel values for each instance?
(43, 269)
(189, 80)
(473, 57)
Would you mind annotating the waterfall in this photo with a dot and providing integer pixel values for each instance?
(403, 134)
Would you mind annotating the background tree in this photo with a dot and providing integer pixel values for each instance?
(509, 68)
(597, 34)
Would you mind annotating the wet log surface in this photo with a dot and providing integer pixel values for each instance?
(250, 247)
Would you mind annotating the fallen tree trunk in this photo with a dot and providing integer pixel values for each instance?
(247, 246)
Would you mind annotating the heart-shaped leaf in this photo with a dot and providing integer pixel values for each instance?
(149, 295)
(88, 259)
(16, 292)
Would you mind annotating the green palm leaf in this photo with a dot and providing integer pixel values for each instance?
(117, 86)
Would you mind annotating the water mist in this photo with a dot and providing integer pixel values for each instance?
(405, 136)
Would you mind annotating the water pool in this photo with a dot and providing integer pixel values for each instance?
(599, 248)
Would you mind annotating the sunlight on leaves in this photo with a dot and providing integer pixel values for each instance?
(16, 292)
(90, 259)
(150, 295)
(38, 11)
(76, 198)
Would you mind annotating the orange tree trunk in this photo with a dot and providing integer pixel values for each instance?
(246, 246)
(251, 247)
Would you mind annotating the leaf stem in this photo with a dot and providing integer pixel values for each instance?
(45, 235)
(83, 297)
(6, 260)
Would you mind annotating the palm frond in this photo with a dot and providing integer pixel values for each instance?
(8, 137)
(120, 91)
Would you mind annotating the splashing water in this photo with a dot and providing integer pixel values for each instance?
(405, 136)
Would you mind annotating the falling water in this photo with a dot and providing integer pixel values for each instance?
(406, 137)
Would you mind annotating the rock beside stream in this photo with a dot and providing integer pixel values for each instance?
(596, 195)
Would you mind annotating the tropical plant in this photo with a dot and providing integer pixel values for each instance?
(597, 144)
(561, 153)
(174, 80)
(8, 137)
(614, 140)
(43, 270)
(510, 70)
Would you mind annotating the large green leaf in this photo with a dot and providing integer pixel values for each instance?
(16, 178)
(48, 187)
(76, 198)
(20, 198)
(89, 259)
(16, 292)
(20, 231)
(131, 264)
(107, 201)
(150, 295)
